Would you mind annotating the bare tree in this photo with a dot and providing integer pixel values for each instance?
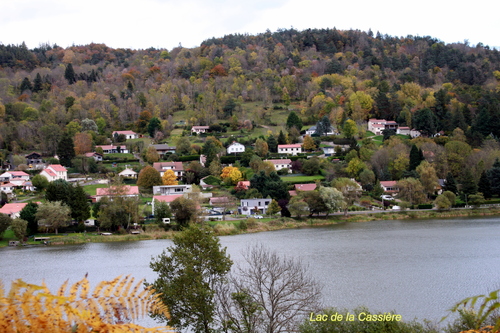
(269, 294)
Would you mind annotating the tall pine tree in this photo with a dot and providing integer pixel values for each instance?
(69, 74)
(66, 150)
(494, 177)
(483, 185)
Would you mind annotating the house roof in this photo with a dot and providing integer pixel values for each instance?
(8, 185)
(295, 145)
(124, 132)
(305, 187)
(129, 190)
(388, 183)
(18, 173)
(162, 166)
(12, 208)
(200, 127)
(280, 161)
(128, 171)
(92, 154)
(110, 147)
(57, 168)
(163, 147)
(50, 172)
(33, 154)
(167, 198)
(244, 184)
(216, 200)
(235, 144)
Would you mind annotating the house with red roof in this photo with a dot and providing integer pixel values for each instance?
(292, 149)
(389, 186)
(177, 167)
(376, 126)
(15, 177)
(128, 134)
(302, 187)
(112, 149)
(199, 129)
(96, 156)
(55, 172)
(13, 209)
(284, 163)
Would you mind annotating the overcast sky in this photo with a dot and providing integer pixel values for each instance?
(166, 23)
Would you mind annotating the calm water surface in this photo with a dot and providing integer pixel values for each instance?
(418, 268)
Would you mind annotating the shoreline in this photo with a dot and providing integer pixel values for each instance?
(231, 227)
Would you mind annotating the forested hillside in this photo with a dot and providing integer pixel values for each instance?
(418, 81)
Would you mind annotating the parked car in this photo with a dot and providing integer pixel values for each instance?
(257, 216)
(387, 197)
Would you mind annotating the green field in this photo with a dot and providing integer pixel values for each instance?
(301, 179)
(91, 189)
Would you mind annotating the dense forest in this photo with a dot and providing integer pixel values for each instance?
(420, 82)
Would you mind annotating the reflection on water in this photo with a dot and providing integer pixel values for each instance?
(417, 268)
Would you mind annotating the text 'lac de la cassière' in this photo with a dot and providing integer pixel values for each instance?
(362, 316)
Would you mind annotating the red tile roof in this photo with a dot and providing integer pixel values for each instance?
(295, 145)
(129, 190)
(12, 208)
(305, 187)
(167, 198)
(57, 167)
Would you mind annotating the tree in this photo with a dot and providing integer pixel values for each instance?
(153, 126)
(333, 198)
(484, 186)
(5, 221)
(494, 177)
(65, 150)
(152, 155)
(269, 185)
(469, 185)
(53, 215)
(308, 143)
(298, 206)
(83, 143)
(113, 305)
(425, 121)
(281, 138)
(293, 120)
(411, 190)
(162, 210)
(211, 150)
(231, 174)
(89, 125)
(261, 148)
(350, 129)
(188, 273)
(272, 144)
(37, 83)
(311, 166)
(323, 127)
(416, 156)
(450, 184)
(69, 74)
(79, 204)
(183, 146)
(20, 228)
(149, 177)
(184, 210)
(28, 213)
(40, 182)
(476, 200)
(169, 178)
(349, 189)
(428, 177)
(270, 293)
(315, 203)
(59, 190)
(273, 208)
(442, 202)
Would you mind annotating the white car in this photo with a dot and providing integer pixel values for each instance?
(257, 216)
(387, 197)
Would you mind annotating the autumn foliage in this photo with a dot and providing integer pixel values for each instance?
(110, 307)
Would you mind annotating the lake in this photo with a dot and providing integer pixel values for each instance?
(417, 268)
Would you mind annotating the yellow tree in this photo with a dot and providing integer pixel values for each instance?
(83, 143)
(232, 173)
(110, 307)
(169, 178)
(308, 143)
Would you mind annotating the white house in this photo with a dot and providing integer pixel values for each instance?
(128, 134)
(199, 129)
(7, 188)
(172, 189)
(389, 186)
(284, 163)
(177, 167)
(15, 177)
(253, 206)
(128, 173)
(312, 130)
(13, 209)
(54, 172)
(292, 149)
(112, 149)
(405, 130)
(376, 126)
(235, 148)
(96, 156)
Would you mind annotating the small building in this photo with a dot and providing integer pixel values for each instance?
(177, 167)
(389, 186)
(303, 188)
(218, 201)
(284, 163)
(112, 149)
(127, 134)
(376, 126)
(34, 158)
(292, 149)
(96, 156)
(199, 129)
(253, 206)
(15, 177)
(128, 173)
(172, 189)
(405, 130)
(13, 209)
(312, 130)
(163, 149)
(54, 172)
(128, 191)
(329, 150)
(235, 148)
(7, 188)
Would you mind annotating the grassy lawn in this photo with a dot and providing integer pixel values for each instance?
(120, 156)
(299, 179)
(91, 189)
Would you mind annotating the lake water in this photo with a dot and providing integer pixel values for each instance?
(417, 268)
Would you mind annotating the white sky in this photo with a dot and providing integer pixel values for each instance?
(166, 23)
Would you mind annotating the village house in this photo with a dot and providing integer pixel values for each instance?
(312, 130)
(177, 167)
(15, 177)
(54, 172)
(303, 188)
(292, 149)
(163, 149)
(128, 191)
(235, 148)
(164, 198)
(7, 188)
(127, 134)
(34, 159)
(389, 186)
(13, 209)
(376, 126)
(128, 173)
(253, 206)
(405, 130)
(96, 156)
(112, 149)
(172, 189)
(279, 164)
(199, 129)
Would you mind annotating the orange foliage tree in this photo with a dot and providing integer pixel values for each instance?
(83, 143)
(169, 178)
